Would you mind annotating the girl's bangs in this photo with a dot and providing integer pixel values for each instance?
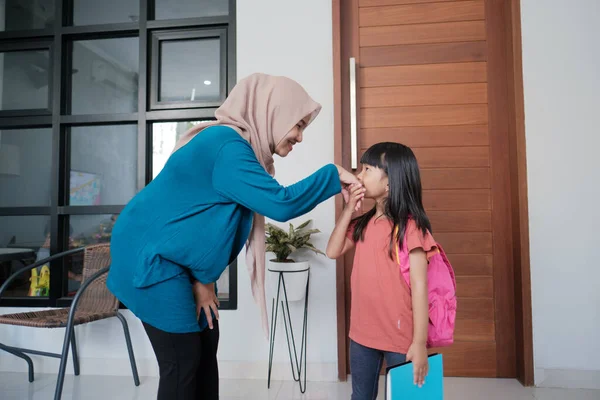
(375, 156)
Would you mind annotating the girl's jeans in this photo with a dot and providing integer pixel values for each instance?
(365, 364)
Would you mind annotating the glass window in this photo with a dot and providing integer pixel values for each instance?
(85, 230)
(91, 12)
(19, 15)
(223, 285)
(190, 70)
(24, 79)
(175, 9)
(103, 165)
(164, 137)
(25, 165)
(23, 240)
(105, 76)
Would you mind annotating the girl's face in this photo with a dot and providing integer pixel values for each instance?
(375, 182)
(293, 136)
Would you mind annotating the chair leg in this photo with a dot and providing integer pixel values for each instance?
(63, 361)
(20, 355)
(75, 355)
(136, 378)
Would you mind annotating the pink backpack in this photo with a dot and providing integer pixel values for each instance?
(442, 294)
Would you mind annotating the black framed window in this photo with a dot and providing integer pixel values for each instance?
(25, 78)
(20, 15)
(93, 97)
(189, 68)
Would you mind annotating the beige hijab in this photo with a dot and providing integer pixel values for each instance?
(262, 109)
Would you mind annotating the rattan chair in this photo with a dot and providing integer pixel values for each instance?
(92, 302)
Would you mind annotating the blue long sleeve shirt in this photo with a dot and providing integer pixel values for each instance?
(193, 220)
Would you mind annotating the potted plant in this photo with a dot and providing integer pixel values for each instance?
(283, 243)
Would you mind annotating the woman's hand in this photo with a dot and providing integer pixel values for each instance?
(348, 180)
(417, 353)
(206, 300)
(346, 177)
(356, 194)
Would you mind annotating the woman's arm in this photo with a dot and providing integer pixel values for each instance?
(239, 177)
(420, 304)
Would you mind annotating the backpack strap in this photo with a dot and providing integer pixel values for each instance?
(397, 246)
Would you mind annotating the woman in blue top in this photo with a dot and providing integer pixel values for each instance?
(175, 238)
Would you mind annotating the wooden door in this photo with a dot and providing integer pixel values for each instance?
(432, 74)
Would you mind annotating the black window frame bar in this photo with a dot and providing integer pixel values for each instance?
(56, 118)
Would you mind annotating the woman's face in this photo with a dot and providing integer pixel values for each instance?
(293, 136)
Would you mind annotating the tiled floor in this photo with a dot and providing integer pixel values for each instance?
(14, 386)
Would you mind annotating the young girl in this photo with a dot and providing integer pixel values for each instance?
(388, 320)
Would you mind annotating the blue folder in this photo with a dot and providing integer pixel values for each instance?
(400, 382)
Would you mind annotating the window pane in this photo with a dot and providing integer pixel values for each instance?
(85, 230)
(24, 79)
(105, 76)
(164, 137)
(19, 15)
(103, 165)
(25, 165)
(190, 70)
(223, 285)
(174, 9)
(91, 12)
(23, 240)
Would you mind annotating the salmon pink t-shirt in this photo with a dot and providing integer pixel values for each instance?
(381, 305)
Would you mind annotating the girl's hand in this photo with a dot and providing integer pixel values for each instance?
(206, 300)
(417, 354)
(355, 196)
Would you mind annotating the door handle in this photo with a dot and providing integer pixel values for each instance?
(353, 122)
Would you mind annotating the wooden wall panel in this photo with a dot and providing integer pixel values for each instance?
(457, 178)
(469, 359)
(470, 114)
(457, 52)
(427, 74)
(475, 286)
(374, 3)
(471, 264)
(453, 157)
(475, 309)
(461, 221)
(465, 242)
(467, 31)
(427, 136)
(421, 13)
(468, 199)
(470, 330)
(424, 95)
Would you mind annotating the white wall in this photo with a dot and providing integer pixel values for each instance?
(294, 39)
(561, 64)
(284, 37)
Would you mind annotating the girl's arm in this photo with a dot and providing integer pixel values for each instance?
(339, 243)
(420, 304)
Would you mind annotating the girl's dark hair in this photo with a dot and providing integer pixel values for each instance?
(405, 197)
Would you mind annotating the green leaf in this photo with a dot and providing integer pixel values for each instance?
(313, 248)
(304, 225)
(309, 232)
